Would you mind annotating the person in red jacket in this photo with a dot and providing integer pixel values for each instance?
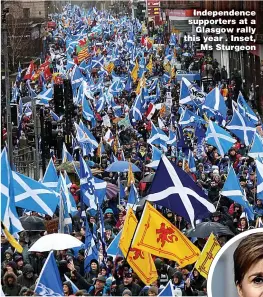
(74, 192)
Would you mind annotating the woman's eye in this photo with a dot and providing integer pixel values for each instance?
(258, 280)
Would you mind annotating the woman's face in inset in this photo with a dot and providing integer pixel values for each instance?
(252, 284)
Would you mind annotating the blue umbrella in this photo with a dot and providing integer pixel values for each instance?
(121, 166)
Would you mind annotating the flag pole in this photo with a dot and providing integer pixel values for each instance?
(218, 201)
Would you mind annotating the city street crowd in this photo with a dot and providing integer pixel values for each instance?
(126, 72)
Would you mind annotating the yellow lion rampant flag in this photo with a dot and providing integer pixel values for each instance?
(149, 66)
(207, 256)
(11, 239)
(134, 73)
(158, 236)
(131, 178)
(141, 262)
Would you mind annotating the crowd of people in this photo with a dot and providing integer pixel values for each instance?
(113, 276)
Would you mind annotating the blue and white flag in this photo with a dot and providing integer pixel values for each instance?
(46, 94)
(158, 137)
(49, 282)
(91, 249)
(245, 109)
(87, 185)
(9, 214)
(28, 111)
(215, 103)
(33, 195)
(54, 116)
(76, 77)
(86, 110)
(172, 138)
(133, 196)
(190, 93)
(174, 189)
(191, 162)
(256, 149)
(168, 290)
(68, 181)
(70, 203)
(242, 127)
(137, 109)
(219, 138)
(113, 249)
(259, 170)
(188, 118)
(50, 178)
(66, 156)
(156, 157)
(233, 191)
(100, 189)
(90, 138)
(74, 287)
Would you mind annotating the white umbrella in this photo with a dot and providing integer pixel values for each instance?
(55, 241)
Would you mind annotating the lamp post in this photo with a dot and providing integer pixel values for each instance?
(7, 88)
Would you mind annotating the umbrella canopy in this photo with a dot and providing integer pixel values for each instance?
(148, 178)
(121, 166)
(55, 241)
(32, 223)
(204, 230)
(111, 190)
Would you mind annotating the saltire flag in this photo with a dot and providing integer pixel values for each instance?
(256, 149)
(188, 118)
(100, 190)
(11, 239)
(137, 109)
(91, 249)
(133, 196)
(156, 157)
(68, 181)
(63, 186)
(259, 170)
(242, 127)
(28, 111)
(245, 109)
(46, 94)
(87, 112)
(54, 116)
(141, 262)
(158, 137)
(76, 77)
(174, 189)
(65, 221)
(49, 281)
(219, 138)
(233, 191)
(215, 103)
(191, 94)
(66, 156)
(50, 178)
(172, 138)
(113, 249)
(33, 195)
(158, 236)
(74, 287)
(87, 185)
(207, 256)
(90, 138)
(168, 290)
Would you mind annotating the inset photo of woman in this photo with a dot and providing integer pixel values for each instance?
(237, 269)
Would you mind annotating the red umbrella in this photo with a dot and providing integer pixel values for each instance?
(111, 190)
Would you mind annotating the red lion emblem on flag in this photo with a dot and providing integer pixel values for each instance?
(166, 234)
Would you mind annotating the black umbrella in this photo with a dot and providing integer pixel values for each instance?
(33, 223)
(148, 178)
(204, 230)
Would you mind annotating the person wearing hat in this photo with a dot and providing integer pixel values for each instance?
(19, 264)
(128, 283)
(10, 286)
(165, 272)
(109, 217)
(126, 292)
(8, 256)
(109, 236)
(28, 278)
(94, 271)
(67, 288)
(97, 289)
(258, 208)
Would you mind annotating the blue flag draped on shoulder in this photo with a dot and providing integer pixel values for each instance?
(220, 138)
(49, 282)
(233, 191)
(9, 214)
(174, 189)
(33, 195)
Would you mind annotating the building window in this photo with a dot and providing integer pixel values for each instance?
(26, 13)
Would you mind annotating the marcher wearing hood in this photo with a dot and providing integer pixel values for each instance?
(93, 273)
(28, 278)
(11, 287)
